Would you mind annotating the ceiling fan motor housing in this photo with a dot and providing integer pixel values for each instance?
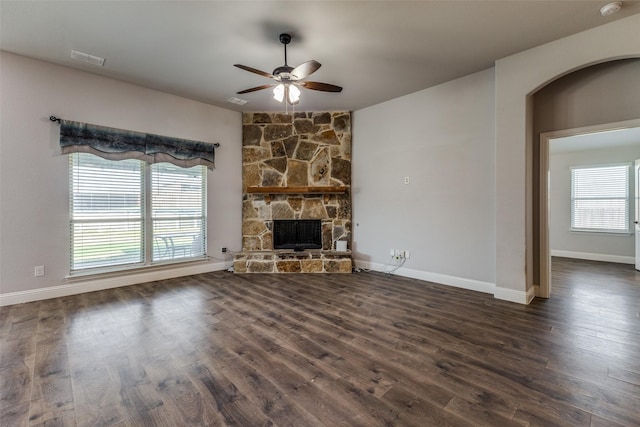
(282, 73)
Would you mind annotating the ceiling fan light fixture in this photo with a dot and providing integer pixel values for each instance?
(278, 93)
(286, 91)
(294, 94)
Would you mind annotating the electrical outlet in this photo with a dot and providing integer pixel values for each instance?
(223, 250)
(406, 180)
(38, 271)
(399, 253)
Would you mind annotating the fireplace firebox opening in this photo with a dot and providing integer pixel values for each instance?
(297, 234)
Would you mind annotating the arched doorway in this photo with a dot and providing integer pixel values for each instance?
(593, 99)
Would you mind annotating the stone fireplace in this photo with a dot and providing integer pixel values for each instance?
(295, 167)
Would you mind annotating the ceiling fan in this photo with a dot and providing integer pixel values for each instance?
(287, 79)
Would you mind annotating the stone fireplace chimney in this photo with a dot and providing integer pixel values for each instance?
(295, 167)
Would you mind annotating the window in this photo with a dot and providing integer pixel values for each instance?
(600, 198)
(130, 213)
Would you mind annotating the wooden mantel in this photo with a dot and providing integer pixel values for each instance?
(297, 190)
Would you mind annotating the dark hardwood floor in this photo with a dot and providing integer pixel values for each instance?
(365, 349)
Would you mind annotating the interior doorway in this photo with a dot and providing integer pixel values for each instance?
(544, 287)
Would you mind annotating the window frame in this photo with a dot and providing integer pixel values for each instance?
(147, 220)
(626, 198)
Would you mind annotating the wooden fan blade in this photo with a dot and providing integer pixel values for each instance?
(253, 70)
(253, 89)
(325, 87)
(304, 70)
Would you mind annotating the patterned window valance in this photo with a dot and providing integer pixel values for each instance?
(118, 144)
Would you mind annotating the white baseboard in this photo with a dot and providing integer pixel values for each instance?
(90, 285)
(594, 257)
(512, 295)
(443, 279)
(79, 286)
(506, 294)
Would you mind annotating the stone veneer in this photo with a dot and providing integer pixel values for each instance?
(304, 149)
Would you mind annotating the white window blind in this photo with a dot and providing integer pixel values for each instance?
(129, 213)
(600, 198)
(178, 211)
(106, 212)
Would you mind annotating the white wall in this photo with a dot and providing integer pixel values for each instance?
(442, 138)
(34, 214)
(598, 246)
(517, 77)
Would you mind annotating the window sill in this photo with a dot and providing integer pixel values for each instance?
(608, 232)
(108, 273)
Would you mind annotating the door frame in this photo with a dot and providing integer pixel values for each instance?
(543, 289)
(636, 219)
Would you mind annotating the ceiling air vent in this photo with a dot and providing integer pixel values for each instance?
(238, 101)
(89, 59)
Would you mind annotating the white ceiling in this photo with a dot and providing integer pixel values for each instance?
(376, 50)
